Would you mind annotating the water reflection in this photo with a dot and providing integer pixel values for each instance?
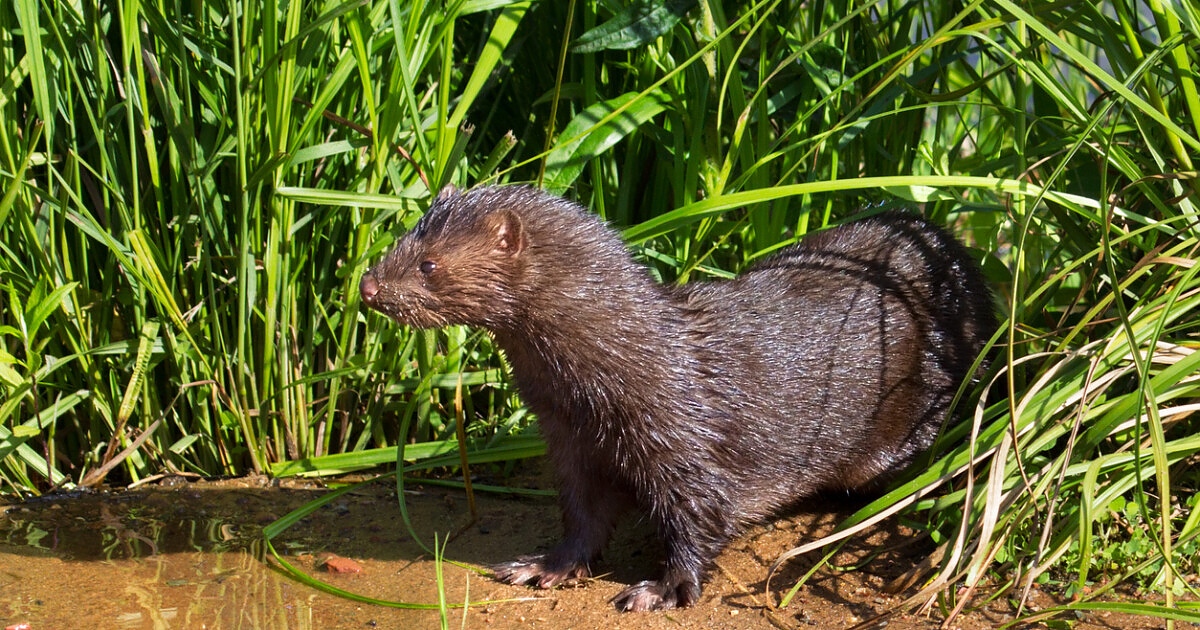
(177, 558)
(192, 558)
(115, 527)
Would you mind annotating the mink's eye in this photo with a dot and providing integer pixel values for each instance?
(427, 266)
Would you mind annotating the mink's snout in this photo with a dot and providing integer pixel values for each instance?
(368, 288)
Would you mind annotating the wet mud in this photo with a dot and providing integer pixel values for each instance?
(191, 554)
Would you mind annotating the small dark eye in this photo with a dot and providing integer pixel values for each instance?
(427, 266)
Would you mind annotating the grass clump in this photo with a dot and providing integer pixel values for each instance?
(191, 194)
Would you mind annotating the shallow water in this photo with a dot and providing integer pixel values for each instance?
(191, 555)
(182, 557)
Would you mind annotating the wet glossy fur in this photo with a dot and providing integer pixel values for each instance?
(708, 406)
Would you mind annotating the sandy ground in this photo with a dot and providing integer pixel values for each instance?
(191, 555)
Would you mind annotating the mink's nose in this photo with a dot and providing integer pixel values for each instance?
(368, 288)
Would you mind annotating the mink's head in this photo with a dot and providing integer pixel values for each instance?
(461, 263)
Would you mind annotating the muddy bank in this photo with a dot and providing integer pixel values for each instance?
(190, 554)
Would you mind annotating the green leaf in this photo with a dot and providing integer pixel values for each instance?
(8, 375)
(493, 52)
(134, 387)
(39, 75)
(24, 432)
(10, 195)
(426, 455)
(326, 150)
(42, 308)
(920, 194)
(593, 131)
(14, 441)
(183, 443)
(148, 260)
(323, 197)
(640, 23)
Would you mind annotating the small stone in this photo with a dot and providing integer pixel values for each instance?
(337, 564)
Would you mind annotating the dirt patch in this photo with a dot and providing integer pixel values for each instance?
(191, 555)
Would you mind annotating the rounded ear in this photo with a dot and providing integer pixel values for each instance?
(446, 192)
(508, 235)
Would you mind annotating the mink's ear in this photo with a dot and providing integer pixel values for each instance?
(508, 235)
(446, 192)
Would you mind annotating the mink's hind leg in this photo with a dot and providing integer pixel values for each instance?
(672, 591)
(692, 547)
(590, 510)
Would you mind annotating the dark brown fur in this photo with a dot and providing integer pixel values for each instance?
(709, 406)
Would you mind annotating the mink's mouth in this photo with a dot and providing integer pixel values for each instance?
(417, 318)
(405, 314)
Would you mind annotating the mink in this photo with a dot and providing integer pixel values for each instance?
(709, 406)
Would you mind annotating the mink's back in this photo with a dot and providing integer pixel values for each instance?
(846, 350)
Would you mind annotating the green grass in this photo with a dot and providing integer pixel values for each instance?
(192, 192)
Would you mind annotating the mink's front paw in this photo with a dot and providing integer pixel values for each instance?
(660, 595)
(539, 571)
